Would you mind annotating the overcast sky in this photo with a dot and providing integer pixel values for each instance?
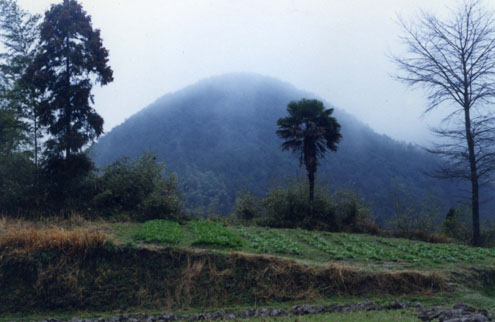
(337, 49)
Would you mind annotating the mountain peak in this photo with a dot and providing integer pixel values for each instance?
(219, 136)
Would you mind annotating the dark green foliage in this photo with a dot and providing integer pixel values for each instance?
(68, 183)
(457, 224)
(247, 207)
(18, 190)
(309, 131)
(414, 213)
(289, 207)
(219, 137)
(48, 84)
(137, 189)
(71, 55)
(487, 234)
(19, 128)
(11, 132)
(353, 213)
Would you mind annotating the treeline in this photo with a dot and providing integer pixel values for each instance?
(47, 71)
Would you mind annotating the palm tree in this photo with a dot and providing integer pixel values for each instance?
(310, 131)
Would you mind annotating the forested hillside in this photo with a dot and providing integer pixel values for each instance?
(218, 136)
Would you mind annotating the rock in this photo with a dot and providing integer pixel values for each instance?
(465, 308)
(306, 309)
(449, 314)
(262, 313)
(417, 305)
(458, 313)
(468, 318)
(429, 314)
(247, 314)
(276, 312)
(477, 318)
(394, 306)
(168, 317)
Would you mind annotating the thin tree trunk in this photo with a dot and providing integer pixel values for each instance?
(67, 105)
(35, 121)
(474, 180)
(311, 178)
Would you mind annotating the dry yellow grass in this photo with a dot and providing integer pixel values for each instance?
(75, 221)
(58, 239)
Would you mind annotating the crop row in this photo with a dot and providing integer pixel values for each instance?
(160, 231)
(270, 241)
(213, 233)
(337, 246)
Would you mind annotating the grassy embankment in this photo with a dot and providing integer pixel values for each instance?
(203, 265)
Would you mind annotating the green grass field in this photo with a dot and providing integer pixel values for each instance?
(317, 247)
(459, 264)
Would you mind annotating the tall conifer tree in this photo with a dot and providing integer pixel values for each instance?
(19, 33)
(71, 57)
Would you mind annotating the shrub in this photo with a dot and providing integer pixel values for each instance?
(488, 234)
(69, 183)
(19, 195)
(289, 207)
(414, 215)
(353, 213)
(456, 224)
(247, 207)
(138, 189)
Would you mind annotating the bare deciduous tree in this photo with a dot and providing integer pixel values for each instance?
(454, 61)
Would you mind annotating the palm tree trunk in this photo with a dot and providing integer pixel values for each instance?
(311, 178)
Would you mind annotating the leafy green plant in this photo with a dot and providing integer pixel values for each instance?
(161, 231)
(270, 241)
(213, 233)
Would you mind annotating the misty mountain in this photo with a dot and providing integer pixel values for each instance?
(218, 136)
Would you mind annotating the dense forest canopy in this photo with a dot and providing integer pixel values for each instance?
(218, 135)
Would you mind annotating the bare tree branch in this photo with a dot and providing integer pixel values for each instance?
(454, 61)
